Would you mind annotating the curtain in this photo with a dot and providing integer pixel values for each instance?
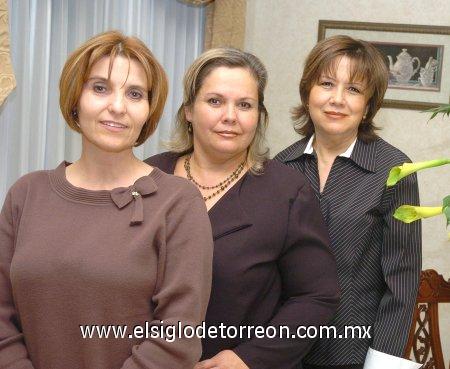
(33, 134)
(7, 81)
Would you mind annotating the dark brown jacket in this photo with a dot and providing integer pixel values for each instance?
(272, 265)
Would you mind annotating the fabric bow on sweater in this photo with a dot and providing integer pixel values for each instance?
(122, 196)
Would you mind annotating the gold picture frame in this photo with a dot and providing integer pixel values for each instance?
(429, 85)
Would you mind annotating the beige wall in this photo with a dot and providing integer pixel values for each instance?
(282, 32)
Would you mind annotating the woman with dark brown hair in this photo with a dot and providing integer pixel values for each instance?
(347, 164)
(95, 251)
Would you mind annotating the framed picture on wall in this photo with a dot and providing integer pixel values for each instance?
(418, 58)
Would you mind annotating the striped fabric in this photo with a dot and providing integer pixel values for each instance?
(378, 257)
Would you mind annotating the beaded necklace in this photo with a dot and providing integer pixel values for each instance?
(221, 186)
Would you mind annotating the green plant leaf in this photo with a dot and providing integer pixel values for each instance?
(447, 214)
(446, 207)
(443, 109)
(401, 171)
(446, 201)
(409, 213)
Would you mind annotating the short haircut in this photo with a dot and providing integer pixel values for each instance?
(367, 65)
(182, 140)
(112, 44)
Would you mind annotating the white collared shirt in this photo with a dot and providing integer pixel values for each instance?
(346, 154)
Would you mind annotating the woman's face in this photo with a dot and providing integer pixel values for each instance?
(225, 113)
(336, 104)
(112, 112)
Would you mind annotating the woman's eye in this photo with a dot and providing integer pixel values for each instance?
(136, 95)
(245, 105)
(354, 90)
(214, 101)
(99, 88)
(326, 84)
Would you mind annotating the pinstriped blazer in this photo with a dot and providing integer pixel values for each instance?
(378, 257)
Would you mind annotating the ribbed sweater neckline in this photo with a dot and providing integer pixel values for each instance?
(65, 189)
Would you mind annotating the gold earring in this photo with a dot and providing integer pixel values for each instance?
(189, 127)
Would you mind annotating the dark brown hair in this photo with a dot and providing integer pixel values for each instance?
(111, 44)
(367, 65)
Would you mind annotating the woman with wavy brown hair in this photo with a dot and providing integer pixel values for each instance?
(347, 164)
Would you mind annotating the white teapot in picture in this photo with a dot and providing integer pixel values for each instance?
(403, 69)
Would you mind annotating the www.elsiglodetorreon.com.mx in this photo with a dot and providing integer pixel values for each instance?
(171, 332)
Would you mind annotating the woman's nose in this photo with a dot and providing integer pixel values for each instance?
(338, 95)
(118, 104)
(230, 113)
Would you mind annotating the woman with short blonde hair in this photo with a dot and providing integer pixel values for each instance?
(271, 263)
(182, 138)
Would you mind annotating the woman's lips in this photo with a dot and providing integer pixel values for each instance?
(227, 134)
(113, 126)
(335, 114)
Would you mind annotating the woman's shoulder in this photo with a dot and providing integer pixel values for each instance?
(292, 151)
(165, 161)
(165, 164)
(173, 186)
(27, 185)
(31, 180)
(281, 176)
(388, 155)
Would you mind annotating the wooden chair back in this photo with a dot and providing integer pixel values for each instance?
(424, 339)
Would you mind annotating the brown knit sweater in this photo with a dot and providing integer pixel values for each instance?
(71, 257)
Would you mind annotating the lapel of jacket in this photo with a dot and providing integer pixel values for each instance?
(227, 215)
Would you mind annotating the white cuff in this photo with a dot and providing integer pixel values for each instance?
(377, 359)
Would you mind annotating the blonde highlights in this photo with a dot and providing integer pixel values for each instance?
(182, 139)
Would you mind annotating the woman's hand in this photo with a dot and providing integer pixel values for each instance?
(226, 359)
